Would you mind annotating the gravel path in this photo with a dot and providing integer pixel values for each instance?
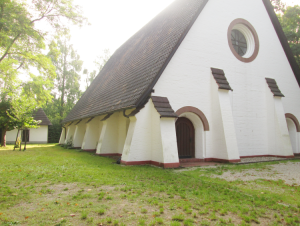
(260, 159)
(288, 172)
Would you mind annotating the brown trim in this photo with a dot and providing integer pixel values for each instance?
(171, 165)
(295, 120)
(148, 91)
(196, 111)
(78, 122)
(88, 121)
(107, 117)
(190, 160)
(90, 150)
(96, 115)
(283, 40)
(77, 148)
(110, 155)
(163, 165)
(278, 156)
(297, 154)
(256, 40)
(222, 160)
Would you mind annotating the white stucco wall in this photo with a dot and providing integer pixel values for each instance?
(92, 134)
(39, 135)
(62, 136)
(151, 138)
(70, 132)
(138, 143)
(187, 80)
(79, 133)
(11, 136)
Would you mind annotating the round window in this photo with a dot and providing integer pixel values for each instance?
(239, 42)
(243, 40)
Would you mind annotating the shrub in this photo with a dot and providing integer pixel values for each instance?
(83, 215)
(178, 218)
(101, 212)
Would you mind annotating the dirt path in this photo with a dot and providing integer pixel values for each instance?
(288, 172)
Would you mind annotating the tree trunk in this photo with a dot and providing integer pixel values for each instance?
(3, 137)
(21, 140)
(26, 133)
(16, 139)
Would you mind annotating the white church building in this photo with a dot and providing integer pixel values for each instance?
(205, 80)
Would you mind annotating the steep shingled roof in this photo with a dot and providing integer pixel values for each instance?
(40, 115)
(128, 75)
(127, 79)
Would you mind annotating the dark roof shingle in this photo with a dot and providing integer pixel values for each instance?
(129, 73)
(163, 107)
(274, 87)
(41, 115)
(221, 79)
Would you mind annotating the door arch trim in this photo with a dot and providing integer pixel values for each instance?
(196, 111)
(294, 119)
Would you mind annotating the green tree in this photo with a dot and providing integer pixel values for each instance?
(289, 17)
(23, 40)
(21, 111)
(68, 68)
(6, 123)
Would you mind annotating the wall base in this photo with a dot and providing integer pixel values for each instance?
(191, 160)
(90, 150)
(222, 160)
(277, 156)
(163, 165)
(110, 155)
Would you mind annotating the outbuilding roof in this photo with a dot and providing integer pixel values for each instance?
(127, 79)
(41, 115)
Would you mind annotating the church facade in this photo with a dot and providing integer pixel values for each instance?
(205, 80)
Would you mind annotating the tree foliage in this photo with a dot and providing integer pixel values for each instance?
(289, 17)
(26, 26)
(67, 84)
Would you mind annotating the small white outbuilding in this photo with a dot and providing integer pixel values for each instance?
(205, 80)
(34, 136)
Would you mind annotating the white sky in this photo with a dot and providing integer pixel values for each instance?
(113, 22)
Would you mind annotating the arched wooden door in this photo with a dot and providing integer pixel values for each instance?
(293, 134)
(185, 133)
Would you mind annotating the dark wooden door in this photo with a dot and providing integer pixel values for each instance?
(185, 132)
(25, 135)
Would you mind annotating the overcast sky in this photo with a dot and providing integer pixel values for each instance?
(112, 23)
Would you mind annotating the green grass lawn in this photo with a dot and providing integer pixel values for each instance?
(50, 185)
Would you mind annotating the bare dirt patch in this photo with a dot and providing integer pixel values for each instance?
(288, 172)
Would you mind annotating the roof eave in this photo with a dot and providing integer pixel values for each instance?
(99, 114)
